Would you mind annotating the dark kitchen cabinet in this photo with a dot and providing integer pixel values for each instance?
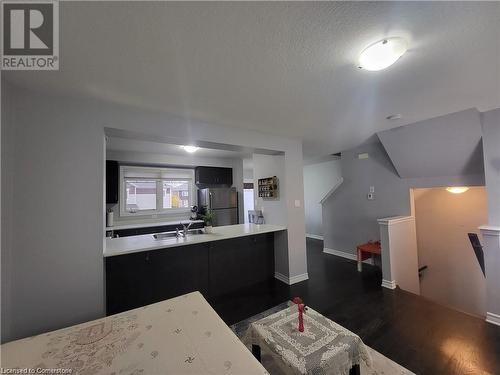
(240, 262)
(213, 176)
(128, 282)
(213, 268)
(178, 271)
(112, 183)
(138, 279)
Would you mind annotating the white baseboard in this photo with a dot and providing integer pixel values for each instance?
(338, 253)
(493, 318)
(281, 277)
(343, 254)
(299, 278)
(315, 236)
(389, 284)
(291, 280)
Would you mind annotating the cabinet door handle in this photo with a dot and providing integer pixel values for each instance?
(147, 257)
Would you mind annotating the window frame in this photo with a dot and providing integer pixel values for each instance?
(159, 175)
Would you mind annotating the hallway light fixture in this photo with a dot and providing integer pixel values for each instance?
(457, 189)
(382, 54)
(190, 149)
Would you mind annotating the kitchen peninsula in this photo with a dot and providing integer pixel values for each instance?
(141, 270)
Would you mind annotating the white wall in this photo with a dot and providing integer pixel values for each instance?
(454, 277)
(319, 179)
(490, 122)
(55, 147)
(274, 210)
(248, 202)
(399, 253)
(491, 148)
(290, 252)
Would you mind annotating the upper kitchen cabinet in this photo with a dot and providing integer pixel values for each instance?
(112, 182)
(213, 176)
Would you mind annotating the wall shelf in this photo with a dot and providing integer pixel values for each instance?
(268, 187)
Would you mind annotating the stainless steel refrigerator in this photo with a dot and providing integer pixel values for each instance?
(223, 202)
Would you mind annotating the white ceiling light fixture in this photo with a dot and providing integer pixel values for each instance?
(382, 54)
(457, 189)
(190, 149)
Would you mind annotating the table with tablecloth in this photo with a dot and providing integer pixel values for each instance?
(182, 335)
(324, 347)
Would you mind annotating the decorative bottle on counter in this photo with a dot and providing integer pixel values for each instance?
(109, 219)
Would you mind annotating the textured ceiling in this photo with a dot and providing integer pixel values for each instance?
(282, 68)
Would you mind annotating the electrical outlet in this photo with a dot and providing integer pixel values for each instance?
(297, 203)
(372, 189)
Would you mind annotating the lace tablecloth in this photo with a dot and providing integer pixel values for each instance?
(323, 348)
(182, 335)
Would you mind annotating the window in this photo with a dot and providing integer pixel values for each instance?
(176, 194)
(140, 195)
(149, 191)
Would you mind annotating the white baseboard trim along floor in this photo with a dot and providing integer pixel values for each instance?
(389, 284)
(493, 318)
(291, 280)
(346, 255)
(314, 236)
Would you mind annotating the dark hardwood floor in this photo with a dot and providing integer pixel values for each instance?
(419, 334)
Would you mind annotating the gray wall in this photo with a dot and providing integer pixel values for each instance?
(5, 261)
(319, 179)
(52, 179)
(448, 145)
(348, 217)
(443, 220)
(491, 145)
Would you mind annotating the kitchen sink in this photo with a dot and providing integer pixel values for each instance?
(165, 235)
(162, 236)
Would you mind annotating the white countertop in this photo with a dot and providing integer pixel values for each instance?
(146, 242)
(154, 224)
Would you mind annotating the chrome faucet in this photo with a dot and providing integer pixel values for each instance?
(185, 228)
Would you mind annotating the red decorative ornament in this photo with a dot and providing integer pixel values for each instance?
(300, 307)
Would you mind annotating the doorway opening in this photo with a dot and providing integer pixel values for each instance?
(450, 270)
(248, 188)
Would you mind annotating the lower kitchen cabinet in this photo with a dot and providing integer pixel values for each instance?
(240, 262)
(213, 268)
(128, 282)
(178, 271)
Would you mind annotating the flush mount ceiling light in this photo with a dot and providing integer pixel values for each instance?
(457, 189)
(382, 54)
(190, 149)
